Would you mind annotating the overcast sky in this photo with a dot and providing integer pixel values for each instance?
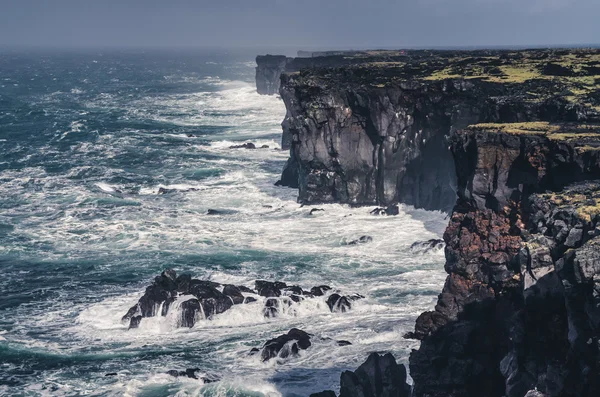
(297, 23)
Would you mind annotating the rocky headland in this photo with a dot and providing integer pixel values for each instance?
(509, 142)
(373, 127)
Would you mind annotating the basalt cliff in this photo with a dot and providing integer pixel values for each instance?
(511, 142)
(520, 310)
(374, 127)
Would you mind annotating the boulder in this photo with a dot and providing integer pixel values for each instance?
(287, 345)
(338, 303)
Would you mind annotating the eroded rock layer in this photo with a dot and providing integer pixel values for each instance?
(520, 310)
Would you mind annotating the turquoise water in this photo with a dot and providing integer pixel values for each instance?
(86, 142)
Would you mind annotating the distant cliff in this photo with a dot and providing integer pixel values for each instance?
(369, 131)
(268, 72)
(520, 309)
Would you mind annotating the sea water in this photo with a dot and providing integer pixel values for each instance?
(87, 141)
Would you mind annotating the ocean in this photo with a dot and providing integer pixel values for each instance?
(109, 162)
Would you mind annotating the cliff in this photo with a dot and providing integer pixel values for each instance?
(520, 309)
(373, 128)
(268, 72)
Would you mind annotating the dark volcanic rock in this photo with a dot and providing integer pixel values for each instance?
(204, 299)
(287, 345)
(379, 376)
(320, 290)
(289, 175)
(220, 212)
(373, 129)
(361, 240)
(426, 246)
(338, 303)
(234, 293)
(269, 289)
(519, 311)
(247, 145)
(194, 373)
(393, 209)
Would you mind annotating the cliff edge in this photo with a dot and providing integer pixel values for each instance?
(374, 128)
(520, 310)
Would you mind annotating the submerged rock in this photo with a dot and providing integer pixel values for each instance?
(220, 212)
(247, 145)
(361, 240)
(338, 303)
(194, 373)
(287, 345)
(391, 210)
(202, 299)
(426, 246)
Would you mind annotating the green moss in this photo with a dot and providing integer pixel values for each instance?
(536, 127)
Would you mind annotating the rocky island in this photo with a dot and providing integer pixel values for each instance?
(509, 142)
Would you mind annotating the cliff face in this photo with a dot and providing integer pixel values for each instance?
(520, 309)
(268, 73)
(375, 131)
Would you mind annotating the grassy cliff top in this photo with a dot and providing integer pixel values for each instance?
(533, 75)
(583, 198)
(582, 136)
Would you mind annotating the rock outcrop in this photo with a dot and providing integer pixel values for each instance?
(372, 130)
(520, 311)
(192, 300)
(379, 376)
(268, 73)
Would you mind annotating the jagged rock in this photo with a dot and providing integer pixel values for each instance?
(135, 322)
(204, 299)
(247, 145)
(289, 175)
(287, 345)
(426, 246)
(338, 303)
(234, 293)
(379, 376)
(320, 290)
(271, 308)
(361, 240)
(391, 210)
(375, 135)
(162, 289)
(219, 212)
(193, 373)
(269, 289)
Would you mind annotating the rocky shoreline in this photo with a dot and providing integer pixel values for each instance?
(519, 314)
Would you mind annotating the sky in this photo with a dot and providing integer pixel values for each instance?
(297, 24)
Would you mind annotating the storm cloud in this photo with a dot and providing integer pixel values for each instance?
(297, 24)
